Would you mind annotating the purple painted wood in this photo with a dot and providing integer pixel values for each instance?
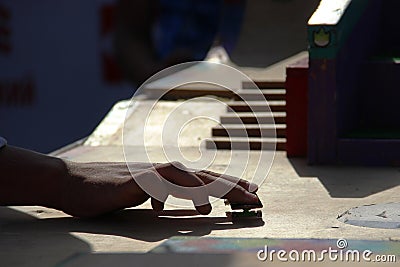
(367, 95)
(371, 152)
(334, 89)
(381, 99)
(362, 43)
(322, 112)
(390, 26)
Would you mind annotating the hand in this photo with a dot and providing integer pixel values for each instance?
(91, 189)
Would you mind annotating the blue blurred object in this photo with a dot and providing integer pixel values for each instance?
(193, 26)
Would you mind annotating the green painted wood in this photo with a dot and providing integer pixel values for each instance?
(325, 40)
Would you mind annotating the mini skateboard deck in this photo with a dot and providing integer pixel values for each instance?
(244, 211)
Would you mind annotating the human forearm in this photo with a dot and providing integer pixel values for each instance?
(29, 178)
(91, 189)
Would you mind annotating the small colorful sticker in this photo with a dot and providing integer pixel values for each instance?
(322, 38)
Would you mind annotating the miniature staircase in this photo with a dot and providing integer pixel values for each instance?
(246, 125)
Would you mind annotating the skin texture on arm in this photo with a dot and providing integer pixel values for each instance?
(27, 178)
(92, 189)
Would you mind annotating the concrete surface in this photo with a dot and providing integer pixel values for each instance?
(300, 201)
(386, 215)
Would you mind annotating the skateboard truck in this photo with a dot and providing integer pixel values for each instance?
(244, 211)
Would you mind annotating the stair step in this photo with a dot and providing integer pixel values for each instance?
(278, 130)
(248, 95)
(251, 143)
(261, 95)
(264, 84)
(254, 118)
(187, 93)
(256, 106)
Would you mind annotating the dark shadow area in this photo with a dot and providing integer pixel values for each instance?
(349, 182)
(23, 243)
(143, 224)
(272, 30)
(49, 241)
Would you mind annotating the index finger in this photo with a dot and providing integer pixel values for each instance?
(249, 186)
(189, 185)
(224, 188)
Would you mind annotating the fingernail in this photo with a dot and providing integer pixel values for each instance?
(204, 209)
(253, 188)
(252, 197)
(157, 205)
